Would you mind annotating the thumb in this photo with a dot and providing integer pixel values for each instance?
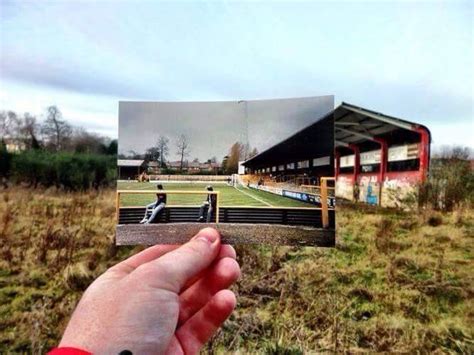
(172, 270)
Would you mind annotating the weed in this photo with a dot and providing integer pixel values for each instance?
(77, 277)
(435, 220)
(394, 283)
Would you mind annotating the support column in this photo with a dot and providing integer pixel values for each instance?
(324, 203)
(337, 164)
(423, 152)
(383, 164)
(355, 173)
(356, 151)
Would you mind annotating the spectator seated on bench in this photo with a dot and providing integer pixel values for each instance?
(157, 207)
(209, 204)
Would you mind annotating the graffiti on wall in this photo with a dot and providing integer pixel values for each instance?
(345, 188)
(397, 189)
(369, 189)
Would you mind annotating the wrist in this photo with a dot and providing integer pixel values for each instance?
(67, 350)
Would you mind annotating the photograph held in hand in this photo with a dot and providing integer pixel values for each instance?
(259, 171)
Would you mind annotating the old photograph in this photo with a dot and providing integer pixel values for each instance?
(242, 166)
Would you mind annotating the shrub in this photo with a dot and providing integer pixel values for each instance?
(65, 170)
(5, 160)
(449, 185)
(435, 220)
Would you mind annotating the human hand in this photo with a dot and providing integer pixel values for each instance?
(166, 299)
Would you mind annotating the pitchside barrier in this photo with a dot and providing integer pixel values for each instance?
(161, 192)
(310, 226)
(317, 217)
(293, 216)
(313, 196)
(197, 178)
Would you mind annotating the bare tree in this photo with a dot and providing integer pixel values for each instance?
(162, 145)
(253, 153)
(133, 155)
(182, 145)
(55, 130)
(235, 154)
(29, 130)
(453, 152)
(87, 142)
(9, 123)
(152, 154)
(245, 151)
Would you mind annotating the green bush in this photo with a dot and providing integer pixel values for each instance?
(449, 185)
(5, 160)
(70, 171)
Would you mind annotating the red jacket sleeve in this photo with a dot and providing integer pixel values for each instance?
(68, 351)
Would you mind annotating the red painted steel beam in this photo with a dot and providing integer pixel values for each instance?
(383, 164)
(356, 151)
(424, 151)
(383, 157)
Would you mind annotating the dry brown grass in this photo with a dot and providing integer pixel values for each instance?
(395, 281)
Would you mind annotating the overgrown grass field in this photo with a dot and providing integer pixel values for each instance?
(396, 281)
(228, 195)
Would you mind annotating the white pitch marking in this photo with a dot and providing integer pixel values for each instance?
(255, 198)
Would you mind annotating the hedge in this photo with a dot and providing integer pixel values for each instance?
(70, 171)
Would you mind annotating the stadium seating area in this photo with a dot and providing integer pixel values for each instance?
(287, 182)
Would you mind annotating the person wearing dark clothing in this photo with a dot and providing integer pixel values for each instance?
(157, 207)
(209, 205)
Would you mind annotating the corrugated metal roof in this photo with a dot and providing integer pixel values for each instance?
(129, 162)
(354, 124)
(313, 141)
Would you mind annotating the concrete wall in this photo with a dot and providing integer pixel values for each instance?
(398, 188)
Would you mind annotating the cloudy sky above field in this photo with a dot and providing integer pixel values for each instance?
(412, 60)
(211, 128)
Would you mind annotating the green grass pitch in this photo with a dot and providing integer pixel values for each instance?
(229, 196)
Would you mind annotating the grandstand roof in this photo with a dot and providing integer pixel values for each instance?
(346, 124)
(354, 124)
(313, 141)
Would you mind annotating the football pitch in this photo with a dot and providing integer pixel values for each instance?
(228, 195)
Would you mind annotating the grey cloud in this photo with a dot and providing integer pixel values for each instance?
(72, 77)
(212, 127)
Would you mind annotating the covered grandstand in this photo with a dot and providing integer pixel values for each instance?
(380, 159)
(374, 158)
(301, 158)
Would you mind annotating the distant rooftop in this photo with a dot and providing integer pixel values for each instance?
(129, 162)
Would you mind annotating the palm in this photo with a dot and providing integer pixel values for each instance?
(149, 306)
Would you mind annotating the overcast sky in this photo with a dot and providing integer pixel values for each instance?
(408, 59)
(212, 127)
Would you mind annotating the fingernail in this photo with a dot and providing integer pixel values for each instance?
(208, 235)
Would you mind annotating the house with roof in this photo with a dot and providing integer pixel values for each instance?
(129, 169)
